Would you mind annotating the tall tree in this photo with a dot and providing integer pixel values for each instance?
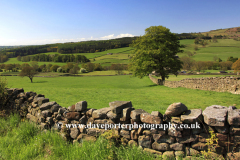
(156, 51)
(28, 71)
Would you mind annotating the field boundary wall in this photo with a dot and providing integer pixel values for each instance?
(171, 140)
(219, 84)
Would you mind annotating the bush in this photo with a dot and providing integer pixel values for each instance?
(83, 70)
(3, 85)
(59, 69)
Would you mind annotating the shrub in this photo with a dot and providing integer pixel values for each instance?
(59, 69)
(3, 85)
(83, 70)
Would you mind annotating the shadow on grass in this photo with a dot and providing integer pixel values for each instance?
(152, 85)
(40, 81)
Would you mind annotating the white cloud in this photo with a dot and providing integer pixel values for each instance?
(111, 36)
(124, 35)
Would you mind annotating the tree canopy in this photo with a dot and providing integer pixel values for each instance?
(28, 71)
(156, 51)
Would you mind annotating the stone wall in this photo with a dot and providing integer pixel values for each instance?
(155, 80)
(172, 141)
(219, 84)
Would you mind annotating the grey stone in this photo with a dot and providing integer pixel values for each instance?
(234, 117)
(89, 112)
(83, 120)
(192, 116)
(148, 118)
(235, 130)
(215, 115)
(42, 101)
(46, 113)
(160, 146)
(177, 146)
(168, 155)
(145, 141)
(112, 115)
(62, 110)
(95, 131)
(157, 114)
(55, 108)
(74, 133)
(132, 143)
(49, 120)
(135, 114)
(32, 118)
(125, 134)
(176, 109)
(118, 106)
(224, 129)
(200, 146)
(193, 152)
(85, 137)
(126, 114)
(152, 151)
(163, 138)
(47, 105)
(134, 134)
(101, 113)
(72, 115)
(187, 139)
(81, 106)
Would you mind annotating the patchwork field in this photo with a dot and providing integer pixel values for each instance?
(223, 49)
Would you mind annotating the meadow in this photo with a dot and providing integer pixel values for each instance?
(99, 91)
(223, 49)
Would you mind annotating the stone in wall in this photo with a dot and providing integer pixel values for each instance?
(175, 109)
(215, 115)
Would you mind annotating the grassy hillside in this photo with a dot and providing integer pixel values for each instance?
(231, 32)
(223, 49)
(120, 55)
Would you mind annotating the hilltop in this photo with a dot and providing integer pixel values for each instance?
(228, 32)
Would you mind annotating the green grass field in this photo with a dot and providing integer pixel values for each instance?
(223, 49)
(99, 91)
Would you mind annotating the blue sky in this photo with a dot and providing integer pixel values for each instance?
(29, 22)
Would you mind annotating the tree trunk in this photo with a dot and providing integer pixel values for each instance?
(31, 80)
(162, 80)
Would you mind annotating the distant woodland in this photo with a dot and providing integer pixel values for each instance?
(75, 47)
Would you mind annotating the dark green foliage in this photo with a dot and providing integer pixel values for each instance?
(156, 51)
(232, 59)
(28, 71)
(3, 85)
(3, 58)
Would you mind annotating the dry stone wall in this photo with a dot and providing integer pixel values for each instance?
(219, 84)
(174, 140)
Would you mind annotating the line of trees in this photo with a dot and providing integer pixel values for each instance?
(72, 47)
(3, 58)
(94, 46)
(190, 64)
(54, 58)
